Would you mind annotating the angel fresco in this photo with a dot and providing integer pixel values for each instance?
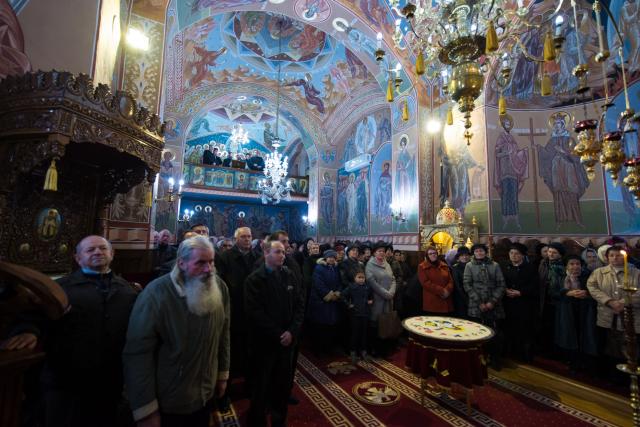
(200, 67)
(311, 94)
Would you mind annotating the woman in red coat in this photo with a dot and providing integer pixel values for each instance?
(437, 284)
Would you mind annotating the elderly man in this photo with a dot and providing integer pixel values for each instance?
(82, 377)
(234, 266)
(177, 354)
(274, 307)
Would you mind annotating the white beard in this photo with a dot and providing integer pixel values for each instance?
(203, 295)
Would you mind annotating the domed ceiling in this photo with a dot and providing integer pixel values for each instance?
(222, 70)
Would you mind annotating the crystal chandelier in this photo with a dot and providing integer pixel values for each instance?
(461, 41)
(239, 137)
(275, 187)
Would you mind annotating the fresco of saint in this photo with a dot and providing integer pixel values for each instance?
(562, 172)
(510, 172)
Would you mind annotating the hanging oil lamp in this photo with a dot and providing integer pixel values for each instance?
(588, 147)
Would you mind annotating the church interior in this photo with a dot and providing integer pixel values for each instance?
(444, 134)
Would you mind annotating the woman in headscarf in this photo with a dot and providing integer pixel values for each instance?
(575, 321)
(590, 258)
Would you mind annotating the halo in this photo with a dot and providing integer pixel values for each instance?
(241, 214)
(208, 209)
(198, 208)
(567, 118)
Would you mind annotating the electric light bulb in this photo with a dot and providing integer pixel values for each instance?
(558, 25)
(433, 126)
(379, 40)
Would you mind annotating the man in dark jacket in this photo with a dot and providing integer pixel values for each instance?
(211, 157)
(520, 302)
(82, 378)
(274, 306)
(255, 162)
(234, 266)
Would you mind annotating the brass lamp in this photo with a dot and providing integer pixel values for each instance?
(612, 156)
(588, 147)
(465, 86)
(632, 180)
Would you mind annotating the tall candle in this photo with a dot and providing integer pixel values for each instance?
(626, 270)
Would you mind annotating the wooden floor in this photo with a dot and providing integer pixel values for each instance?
(605, 405)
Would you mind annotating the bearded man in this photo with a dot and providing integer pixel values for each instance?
(177, 352)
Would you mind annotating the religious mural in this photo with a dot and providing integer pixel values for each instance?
(327, 203)
(352, 202)
(165, 213)
(538, 184)
(405, 182)
(317, 71)
(625, 214)
(580, 46)
(462, 166)
(223, 218)
(381, 192)
(368, 133)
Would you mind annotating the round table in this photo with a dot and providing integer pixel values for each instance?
(448, 350)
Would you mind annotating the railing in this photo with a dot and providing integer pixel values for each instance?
(244, 180)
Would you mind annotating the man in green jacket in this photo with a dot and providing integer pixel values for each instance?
(176, 358)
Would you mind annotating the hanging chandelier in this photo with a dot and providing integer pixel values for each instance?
(239, 137)
(461, 41)
(275, 186)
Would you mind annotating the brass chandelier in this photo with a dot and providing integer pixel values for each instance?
(463, 40)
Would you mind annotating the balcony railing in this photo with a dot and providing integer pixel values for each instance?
(244, 180)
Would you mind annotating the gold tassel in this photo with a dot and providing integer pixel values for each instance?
(405, 111)
(449, 117)
(390, 91)
(51, 178)
(502, 105)
(492, 39)
(420, 64)
(549, 49)
(148, 199)
(545, 87)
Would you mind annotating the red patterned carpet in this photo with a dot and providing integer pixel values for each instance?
(382, 393)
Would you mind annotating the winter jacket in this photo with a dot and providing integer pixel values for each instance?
(348, 269)
(523, 278)
(84, 347)
(573, 314)
(605, 285)
(460, 297)
(173, 358)
(357, 298)
(484, 283)
(323, 306)
(381, 279)
(436, 281)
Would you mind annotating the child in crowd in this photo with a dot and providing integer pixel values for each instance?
(358, 297)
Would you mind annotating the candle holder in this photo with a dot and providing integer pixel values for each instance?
(631, 367)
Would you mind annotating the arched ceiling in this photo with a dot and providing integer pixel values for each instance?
(328, 70)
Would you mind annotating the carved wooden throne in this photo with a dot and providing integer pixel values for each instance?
(103, 143)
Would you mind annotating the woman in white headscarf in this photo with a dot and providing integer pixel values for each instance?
(602, 250)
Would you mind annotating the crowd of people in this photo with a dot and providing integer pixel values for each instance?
(224, 310)
(211, 154)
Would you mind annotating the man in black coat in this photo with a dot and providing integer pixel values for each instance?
(350, 265)
(520, 302)
(82, 378)
(274, 307)
(234, 266)
(255, 162)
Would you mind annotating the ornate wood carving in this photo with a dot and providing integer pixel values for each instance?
(104, 144)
